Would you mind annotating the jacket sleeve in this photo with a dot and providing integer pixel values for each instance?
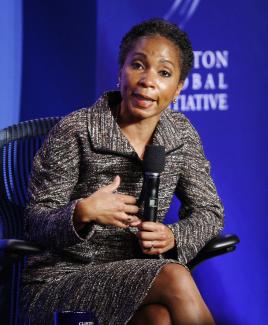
(201, 212)
(49, 214)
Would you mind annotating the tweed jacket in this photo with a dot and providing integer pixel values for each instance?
(87, 149)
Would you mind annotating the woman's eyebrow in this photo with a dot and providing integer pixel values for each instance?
(162, 60)
(139, 54)
(167, 61)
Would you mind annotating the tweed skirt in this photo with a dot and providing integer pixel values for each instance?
(112, 285)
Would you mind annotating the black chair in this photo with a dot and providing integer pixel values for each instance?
(18, 145)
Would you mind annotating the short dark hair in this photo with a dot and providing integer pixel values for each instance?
(164, 28)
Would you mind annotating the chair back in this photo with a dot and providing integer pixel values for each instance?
(18, 145)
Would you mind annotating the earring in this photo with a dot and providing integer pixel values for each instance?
(118, 85)
(174, 101)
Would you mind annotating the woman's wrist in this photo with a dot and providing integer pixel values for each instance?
(172, 237)
(79, 221)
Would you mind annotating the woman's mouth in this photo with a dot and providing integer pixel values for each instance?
(143, 101)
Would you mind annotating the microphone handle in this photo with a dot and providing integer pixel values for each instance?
(151, 196)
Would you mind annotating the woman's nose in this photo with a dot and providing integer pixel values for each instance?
(147, 79)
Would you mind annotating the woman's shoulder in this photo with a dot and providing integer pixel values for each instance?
(77, 121)
(74, 119)
(182, 122)
(178, 117)
(72, 123)
(68, 130)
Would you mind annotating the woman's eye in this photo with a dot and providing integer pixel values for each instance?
(165, 73)
(136, 65)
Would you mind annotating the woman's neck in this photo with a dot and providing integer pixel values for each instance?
(139, 133)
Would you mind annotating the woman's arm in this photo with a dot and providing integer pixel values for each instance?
(201, 213)
(49, 215)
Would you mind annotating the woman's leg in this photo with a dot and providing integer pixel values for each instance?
(175, 289)
(154, 314)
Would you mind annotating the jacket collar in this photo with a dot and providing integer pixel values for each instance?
(106, 137)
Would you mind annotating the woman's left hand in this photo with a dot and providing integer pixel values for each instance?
(155, 237)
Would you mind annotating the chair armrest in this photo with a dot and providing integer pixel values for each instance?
(15, 248)
(219, 245)
(222, 244)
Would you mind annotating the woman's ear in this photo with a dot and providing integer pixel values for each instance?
(119, 79)
(119, 75)
(178, 90)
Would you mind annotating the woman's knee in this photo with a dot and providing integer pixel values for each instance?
(176, 280)
(175, 274)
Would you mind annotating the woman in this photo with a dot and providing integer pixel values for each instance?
(83, 198)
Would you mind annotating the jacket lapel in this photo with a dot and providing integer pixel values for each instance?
(104, 132)
(167, 132)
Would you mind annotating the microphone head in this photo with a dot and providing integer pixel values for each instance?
(154, 159)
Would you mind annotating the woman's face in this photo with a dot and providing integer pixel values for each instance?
(149, 78)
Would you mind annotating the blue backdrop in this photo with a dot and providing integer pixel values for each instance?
(10, 60)
(59, 57)
(67, 56)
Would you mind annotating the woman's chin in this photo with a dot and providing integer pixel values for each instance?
(139, 114)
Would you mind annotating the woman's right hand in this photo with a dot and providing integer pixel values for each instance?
(107, 207)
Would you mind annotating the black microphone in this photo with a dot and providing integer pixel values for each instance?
(153, 165)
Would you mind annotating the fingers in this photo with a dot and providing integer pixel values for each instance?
(118, 219)
(126, 203)
(155, 238)
(120, 224)
(127, 219)
(152, 244)
(130, 209)
(152, 247)
(151, 236)
(113, 186)
(150, 226)
(127, 199)
(135, 223)
(106, 206)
